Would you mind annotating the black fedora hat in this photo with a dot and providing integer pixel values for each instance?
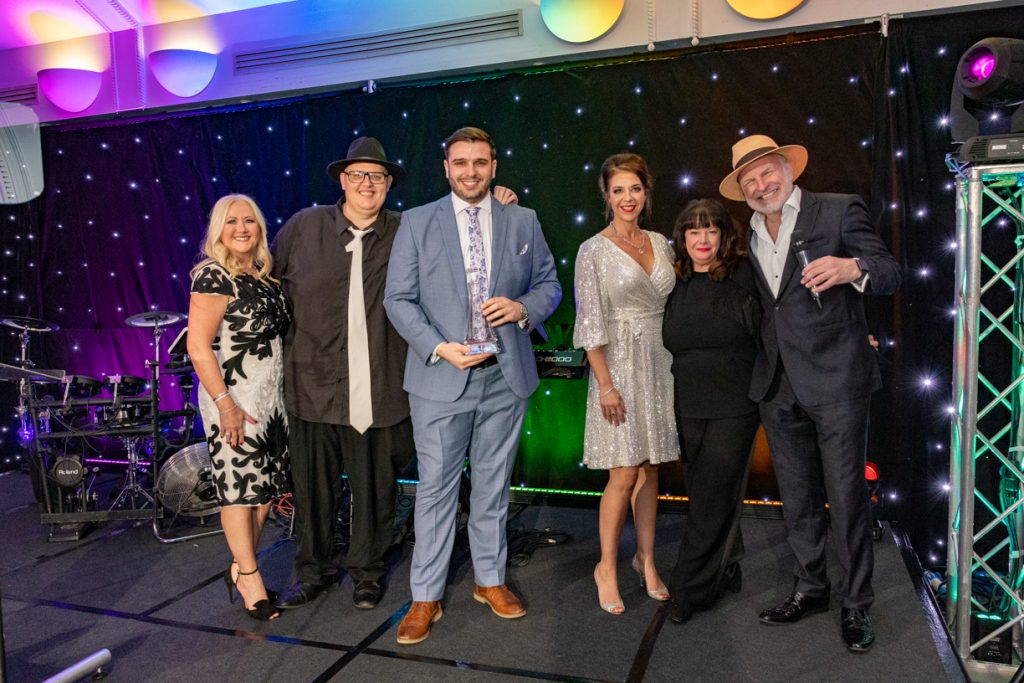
(368, 150)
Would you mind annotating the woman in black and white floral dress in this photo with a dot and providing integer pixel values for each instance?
(237, 318)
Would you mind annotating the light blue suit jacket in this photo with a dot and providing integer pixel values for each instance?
(428, 303)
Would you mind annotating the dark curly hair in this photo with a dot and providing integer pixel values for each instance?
(732, 245)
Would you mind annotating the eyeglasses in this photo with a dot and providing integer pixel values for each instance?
(376, 177)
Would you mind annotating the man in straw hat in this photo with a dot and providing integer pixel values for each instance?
(343, 372)
(816, 372)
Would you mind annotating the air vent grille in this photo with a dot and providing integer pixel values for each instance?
(508, 24)
(20, 94)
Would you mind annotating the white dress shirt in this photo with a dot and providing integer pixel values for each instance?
(483, 217)
(771, 255)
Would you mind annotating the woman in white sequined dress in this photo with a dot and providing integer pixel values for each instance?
(623, 278)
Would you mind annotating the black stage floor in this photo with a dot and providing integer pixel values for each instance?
(162, 612)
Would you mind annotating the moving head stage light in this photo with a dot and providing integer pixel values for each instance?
(987, 102)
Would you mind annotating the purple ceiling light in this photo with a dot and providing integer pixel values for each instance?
(72, 90)
(181, 72)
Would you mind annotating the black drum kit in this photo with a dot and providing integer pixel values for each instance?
(62, 417)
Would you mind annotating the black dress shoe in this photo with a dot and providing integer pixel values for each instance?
(300, 594)
(794, 608)
(679, 612)
(857, 631)
(732, 578)
(367, 594)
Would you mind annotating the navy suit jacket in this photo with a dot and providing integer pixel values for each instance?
(825, 352)
(427, 301)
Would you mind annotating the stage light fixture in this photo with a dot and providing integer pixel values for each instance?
(992, 72)
(986, 108)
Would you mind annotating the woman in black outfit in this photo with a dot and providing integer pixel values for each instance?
(711, 329)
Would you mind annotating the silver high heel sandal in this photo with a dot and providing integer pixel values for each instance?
(660, 593)
(616, 608)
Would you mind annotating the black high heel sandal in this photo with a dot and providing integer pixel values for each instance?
(263, 610)
(229, 581)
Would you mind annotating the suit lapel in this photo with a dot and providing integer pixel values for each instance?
(450, 234)
(499, 236)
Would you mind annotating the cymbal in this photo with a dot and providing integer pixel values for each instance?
(14, 373)
(154, 319)
(21, 322)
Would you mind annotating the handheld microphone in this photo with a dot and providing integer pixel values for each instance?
(798, 244)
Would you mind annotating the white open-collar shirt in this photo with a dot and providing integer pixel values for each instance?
(771, 255)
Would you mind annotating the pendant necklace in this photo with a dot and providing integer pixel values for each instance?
(639, 248)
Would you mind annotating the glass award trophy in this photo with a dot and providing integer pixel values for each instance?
(480, 336)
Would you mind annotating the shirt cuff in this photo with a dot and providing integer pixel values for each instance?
(861, 283)
(434, 358)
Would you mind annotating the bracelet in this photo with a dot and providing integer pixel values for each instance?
(605, 393)
(232, 408)
(221, 395)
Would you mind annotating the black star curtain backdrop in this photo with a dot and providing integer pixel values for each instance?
(126, 202)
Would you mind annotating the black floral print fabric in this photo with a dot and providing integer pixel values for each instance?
(248, 349)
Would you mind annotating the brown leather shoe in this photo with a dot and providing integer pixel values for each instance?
(501, 600)
(415, 626)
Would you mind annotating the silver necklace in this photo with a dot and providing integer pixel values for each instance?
(639, 247)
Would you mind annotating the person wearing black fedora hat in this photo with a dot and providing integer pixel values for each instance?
(342, 421)
(367, 150)
(343, 368)
(815, 372)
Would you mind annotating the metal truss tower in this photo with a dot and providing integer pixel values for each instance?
(986, 513)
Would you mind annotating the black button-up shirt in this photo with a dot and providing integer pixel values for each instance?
(314, 269)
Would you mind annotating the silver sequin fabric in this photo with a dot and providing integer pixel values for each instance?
(620, 307)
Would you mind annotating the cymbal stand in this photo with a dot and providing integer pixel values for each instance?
(26, 430)
(186, 384)
(132, 489)
(27, 433)
(156, 437)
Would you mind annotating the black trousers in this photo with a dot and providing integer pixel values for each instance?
(718, 453)
(319, 454)
(819, 454)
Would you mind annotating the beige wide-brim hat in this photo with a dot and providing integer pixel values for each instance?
(750, 149)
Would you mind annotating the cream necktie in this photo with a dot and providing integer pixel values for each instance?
(360, 401)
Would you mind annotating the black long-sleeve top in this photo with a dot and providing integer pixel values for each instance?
(711, 329)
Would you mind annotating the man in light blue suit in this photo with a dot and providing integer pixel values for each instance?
(466, 405)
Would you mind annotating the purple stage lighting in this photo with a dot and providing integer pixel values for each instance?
(988, 90)
(983, 65)
(992, 71)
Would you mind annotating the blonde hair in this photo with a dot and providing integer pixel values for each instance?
(214, 250)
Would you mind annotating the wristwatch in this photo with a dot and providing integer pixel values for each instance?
(524, 322)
